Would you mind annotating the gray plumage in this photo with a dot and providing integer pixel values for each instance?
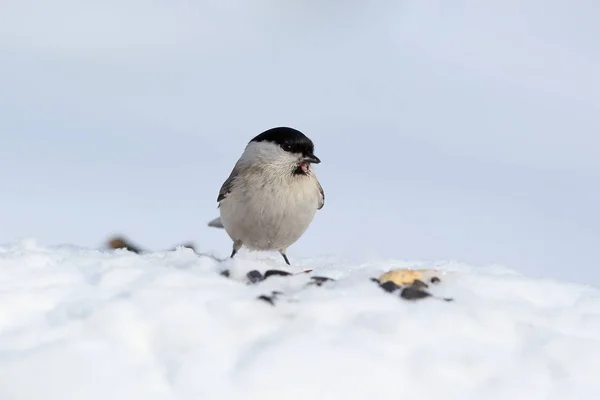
(272, 194)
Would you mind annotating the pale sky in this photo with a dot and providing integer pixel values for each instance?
(447, 130)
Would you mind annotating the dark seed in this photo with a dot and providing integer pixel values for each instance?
(389, 286)
(410, 293)
(435, 279)
(276, 272)
(418, 284)
(319, 280)
(122, 243)
(267, 299)
(275, 293)
(225, 273)
(254, 276)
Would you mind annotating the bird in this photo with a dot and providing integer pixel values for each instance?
(272, 193)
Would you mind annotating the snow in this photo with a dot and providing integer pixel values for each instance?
(80, 323)
(448, 131)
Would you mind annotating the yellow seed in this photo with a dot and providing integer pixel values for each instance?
(403, 276)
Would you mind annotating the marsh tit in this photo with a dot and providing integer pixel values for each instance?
(272, 194)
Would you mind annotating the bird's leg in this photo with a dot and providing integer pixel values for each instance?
(237, 245)
(282, 252)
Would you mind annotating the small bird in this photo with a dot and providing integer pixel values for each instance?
(272, 194)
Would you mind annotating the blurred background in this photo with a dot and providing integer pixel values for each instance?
(448, 130)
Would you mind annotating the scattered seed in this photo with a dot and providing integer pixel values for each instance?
(254, 276)
(319, 280)
(276, 272)
(411, 293)
(389, 286)
(419, 284)
(268, 299)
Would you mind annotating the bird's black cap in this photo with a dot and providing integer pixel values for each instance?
(289, 139)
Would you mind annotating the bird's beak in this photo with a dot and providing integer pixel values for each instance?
(311, 158)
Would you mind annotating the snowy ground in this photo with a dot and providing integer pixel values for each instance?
(79, 323)
(448, 130)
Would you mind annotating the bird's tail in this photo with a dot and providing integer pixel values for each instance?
(216, 223)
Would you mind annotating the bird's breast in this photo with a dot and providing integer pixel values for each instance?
(270, 214)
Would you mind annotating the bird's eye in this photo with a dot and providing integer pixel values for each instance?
(287, 147)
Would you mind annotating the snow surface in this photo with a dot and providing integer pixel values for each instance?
(448, 131)
(79, 323)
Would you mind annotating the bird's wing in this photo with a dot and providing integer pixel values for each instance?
(322, 200)
(227, 185)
